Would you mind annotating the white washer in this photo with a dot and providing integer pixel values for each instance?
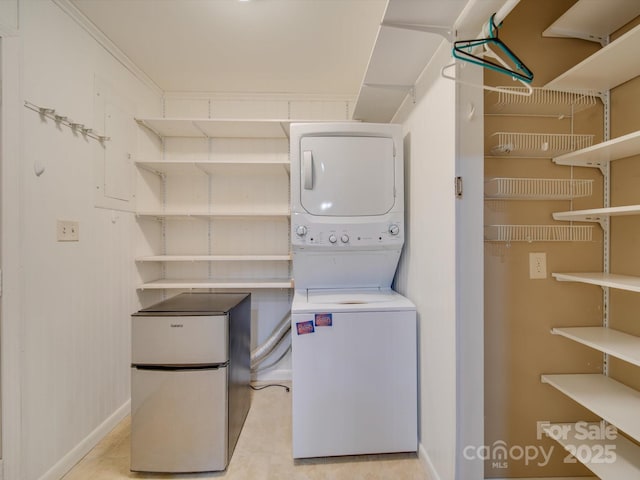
(353, 338)
(354, 375)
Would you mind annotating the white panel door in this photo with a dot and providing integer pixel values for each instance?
(347, 176)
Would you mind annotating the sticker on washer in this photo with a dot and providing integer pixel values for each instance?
(305, 327)
(324, 320)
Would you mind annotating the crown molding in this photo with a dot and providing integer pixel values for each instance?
(81, 19)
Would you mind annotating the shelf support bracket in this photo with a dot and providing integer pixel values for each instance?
(152, 130)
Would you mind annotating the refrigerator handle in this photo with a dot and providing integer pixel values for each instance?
(181, 368)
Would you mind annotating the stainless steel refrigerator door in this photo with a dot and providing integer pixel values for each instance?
(179, 340)
(179, 420)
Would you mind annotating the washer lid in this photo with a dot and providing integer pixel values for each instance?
(357, 296)
(343, 300)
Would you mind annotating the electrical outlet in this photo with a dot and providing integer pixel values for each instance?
(67, 231)
(537, 265)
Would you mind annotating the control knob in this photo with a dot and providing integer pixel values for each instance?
(301, 231)
(344, 238)
(394, 229)
(333, 238)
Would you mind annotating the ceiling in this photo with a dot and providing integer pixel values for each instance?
(232, 46)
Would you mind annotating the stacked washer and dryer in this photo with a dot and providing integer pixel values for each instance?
(353, 338)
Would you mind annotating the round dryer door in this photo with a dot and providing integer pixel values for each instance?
(347, 175)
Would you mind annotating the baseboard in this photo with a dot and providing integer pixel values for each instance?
(277, 375)
(1, 469)
(433, 475)
(426, 463)
(67, 462)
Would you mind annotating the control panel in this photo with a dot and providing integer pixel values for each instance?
(365, 235)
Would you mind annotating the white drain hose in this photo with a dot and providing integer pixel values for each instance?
(261, 352)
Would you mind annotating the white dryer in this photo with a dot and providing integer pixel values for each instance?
(354, 338)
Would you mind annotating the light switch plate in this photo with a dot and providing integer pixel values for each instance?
(67, 231)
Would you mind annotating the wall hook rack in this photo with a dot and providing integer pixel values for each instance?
(51, 114)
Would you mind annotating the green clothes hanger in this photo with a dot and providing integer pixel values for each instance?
(462, 50)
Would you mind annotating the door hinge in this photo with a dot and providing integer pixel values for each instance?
(459, 187)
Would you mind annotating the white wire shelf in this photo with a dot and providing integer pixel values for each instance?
(171, 284)
(626, 454)
(538, 145)
(613, 401)
(537, 188)
(542, 102)
(611, 280)
(537, 233)
(214, 258)
(606, 340)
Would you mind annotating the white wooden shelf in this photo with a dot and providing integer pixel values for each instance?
(607, 68)
(537, 233)
(611, 280)
(218, 128)
(594, 21)
(613, 342)
(167, 284)
(542, 102)
(537, 145)
(207, 167)
(178, 215)
(626, 464)
(611, 400)
(214, 258)
(597, 214)
(599, 155)
(536, 188)
(411, 33)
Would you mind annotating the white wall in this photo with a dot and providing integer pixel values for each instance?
(9, 14)
(441, 266)
(10, 324)
(426, 273)
(75, 298)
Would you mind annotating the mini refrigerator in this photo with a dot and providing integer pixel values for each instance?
(190, 375)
